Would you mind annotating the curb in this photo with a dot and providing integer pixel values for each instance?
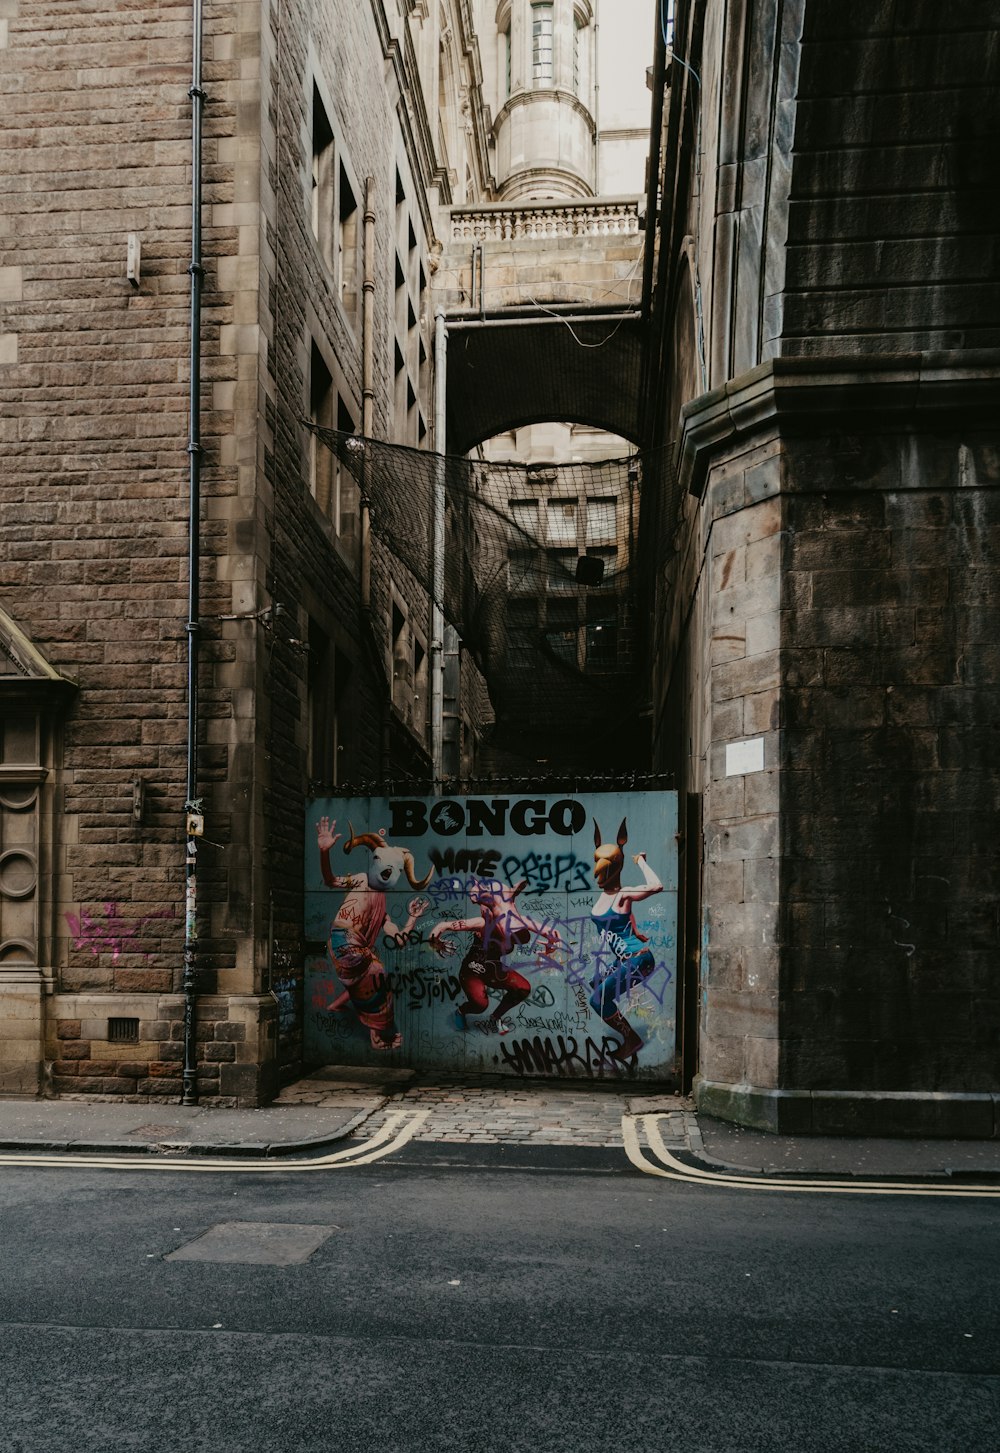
(255, 1150)
(922, 1177)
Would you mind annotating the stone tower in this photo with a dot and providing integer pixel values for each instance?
(545, 125)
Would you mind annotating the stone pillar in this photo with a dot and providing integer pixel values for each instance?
(834, 614)
(21, 1029)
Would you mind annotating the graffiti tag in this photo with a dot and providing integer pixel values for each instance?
(562, 1056)
(112, 934)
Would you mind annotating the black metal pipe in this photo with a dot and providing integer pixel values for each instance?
(193, 822)
(655, 138)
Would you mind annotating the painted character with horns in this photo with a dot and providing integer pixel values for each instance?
(623, 947)
(361, 920)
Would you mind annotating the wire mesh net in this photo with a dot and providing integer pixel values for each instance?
(532, 564)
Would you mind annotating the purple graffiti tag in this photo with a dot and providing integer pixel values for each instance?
(112, 934)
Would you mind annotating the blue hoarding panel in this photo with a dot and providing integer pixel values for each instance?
(495, 934)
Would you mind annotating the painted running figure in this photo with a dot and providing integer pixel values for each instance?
(498, 928)
(621, 942)
(361, 920)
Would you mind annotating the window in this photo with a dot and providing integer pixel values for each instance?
(322, 179)
(331, 484)
(560, 522)
(420, 679)
(412, 346)
(608, 555)
(541, 44)
(334, 210)
(505, 42)
(410, 671)
(522, 632)
(602, 521)
(346, 274)
(583, 41)
(561, 630)
(562, 570)
(523, 575)
(573, 613)
(323, 461)
(328, 672)
(602, 634)
(524, 514)
(402, 661)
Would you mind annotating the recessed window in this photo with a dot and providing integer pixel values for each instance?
(322, 462)
(602, 634)
(562, 629)
(347, 245)
(328, 672)
(560, 522)
(322, 179)
(602, 521)
(541, 44)
(331, 484)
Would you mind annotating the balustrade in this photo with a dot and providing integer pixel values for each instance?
(534, 221)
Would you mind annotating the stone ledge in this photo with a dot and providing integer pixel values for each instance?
(872, 391)
(927, 1114)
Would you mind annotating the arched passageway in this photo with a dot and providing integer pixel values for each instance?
(503, 373)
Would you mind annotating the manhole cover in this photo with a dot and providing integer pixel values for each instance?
(255, 1243)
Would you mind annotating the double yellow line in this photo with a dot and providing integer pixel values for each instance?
(394, 1134)
(671, 1169)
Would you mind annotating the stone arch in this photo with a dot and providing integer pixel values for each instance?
(503, 377)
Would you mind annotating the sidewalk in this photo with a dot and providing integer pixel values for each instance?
(336, 1104)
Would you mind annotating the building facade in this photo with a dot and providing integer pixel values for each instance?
(319, 206)
(335, 139)
(823, 571)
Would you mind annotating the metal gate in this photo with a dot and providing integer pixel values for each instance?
(512, 935)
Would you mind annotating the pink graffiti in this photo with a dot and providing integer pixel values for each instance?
(110, 933)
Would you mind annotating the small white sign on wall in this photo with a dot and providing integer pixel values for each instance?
(743, 757)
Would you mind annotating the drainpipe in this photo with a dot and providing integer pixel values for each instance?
(368, 314)
(655, 139)
(437, 579)
(597, 98)
(193, 819)
(367, 431)
(367, 376)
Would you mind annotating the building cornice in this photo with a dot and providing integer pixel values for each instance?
(796, 395)
(534, 95)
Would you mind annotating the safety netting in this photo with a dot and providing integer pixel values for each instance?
(534, 565)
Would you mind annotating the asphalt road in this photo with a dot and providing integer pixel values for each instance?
(470, 1306)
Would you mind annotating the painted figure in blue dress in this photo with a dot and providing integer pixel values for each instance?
(626, 959)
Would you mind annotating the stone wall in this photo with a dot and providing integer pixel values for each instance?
(94, 492)
(891, 670)
(896, 123)
(831, 686)
(825, 593)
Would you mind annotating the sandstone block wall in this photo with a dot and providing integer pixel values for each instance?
(891, 785)
(94, 490)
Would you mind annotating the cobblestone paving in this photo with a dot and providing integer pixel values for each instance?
(469, 1114)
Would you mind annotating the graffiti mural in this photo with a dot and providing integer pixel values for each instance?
(513, 935)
